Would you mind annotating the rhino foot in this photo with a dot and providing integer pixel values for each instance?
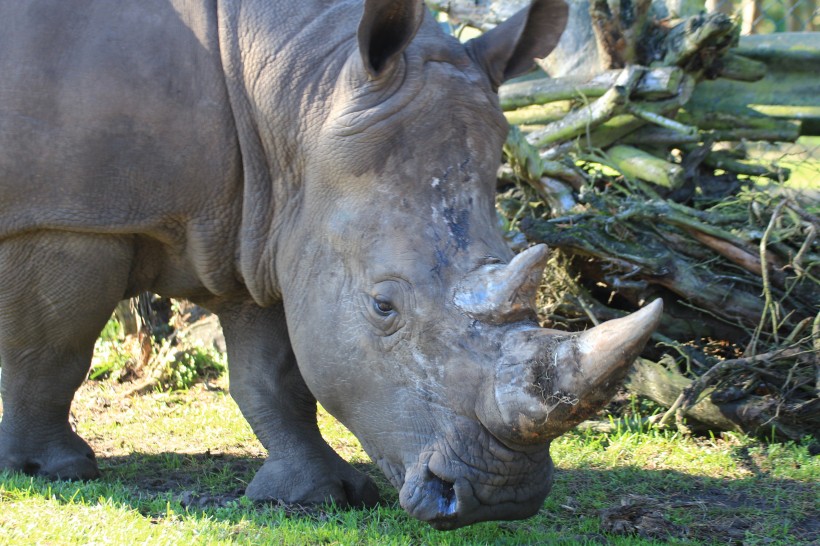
(66, 458)
(326, 481)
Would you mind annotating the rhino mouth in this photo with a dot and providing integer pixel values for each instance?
(442, 489)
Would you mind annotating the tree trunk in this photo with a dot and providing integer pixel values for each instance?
(128, 316)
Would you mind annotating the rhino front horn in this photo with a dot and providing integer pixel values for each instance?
(549, 381)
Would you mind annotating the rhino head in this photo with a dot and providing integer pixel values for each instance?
(411, 320)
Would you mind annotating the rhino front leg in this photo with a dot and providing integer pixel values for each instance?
(57, 291)
(266, 384)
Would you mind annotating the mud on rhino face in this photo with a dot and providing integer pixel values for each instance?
(427, 346)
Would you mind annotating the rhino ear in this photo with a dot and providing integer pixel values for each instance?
(385, 30)
(509, 49)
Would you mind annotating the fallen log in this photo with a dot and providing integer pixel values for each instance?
(636, 163)
(530, 166)
(649, 259)
(696, 43)
(737, 67)
(663, 386)
(539, 114)
(718, 160)
(656, 83)
(583, 119)
(735, 410)
(779, 131)
(788, 91)
(620, 120)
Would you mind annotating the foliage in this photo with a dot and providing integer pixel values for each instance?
(172, 363)
(111, 358)
(112, 330)
(181, 369)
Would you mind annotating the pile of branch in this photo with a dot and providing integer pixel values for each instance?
(645, 192)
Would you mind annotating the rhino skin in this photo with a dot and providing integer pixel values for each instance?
(320, 174)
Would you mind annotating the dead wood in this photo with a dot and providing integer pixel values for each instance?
(706, 406)
(619, 27)
(588, 117)
(656, 83)
(639, 179)
(636, 163)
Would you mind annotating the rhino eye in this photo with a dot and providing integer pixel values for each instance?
(383, 308)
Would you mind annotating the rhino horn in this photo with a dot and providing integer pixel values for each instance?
(549, 381)
(499, 293)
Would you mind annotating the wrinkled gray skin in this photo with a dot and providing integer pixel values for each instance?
(320, 175)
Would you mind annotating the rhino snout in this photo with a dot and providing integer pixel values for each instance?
(448, 492)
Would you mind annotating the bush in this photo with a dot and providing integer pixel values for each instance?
(182, 369)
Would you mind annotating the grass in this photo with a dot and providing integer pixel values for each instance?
(175, 465)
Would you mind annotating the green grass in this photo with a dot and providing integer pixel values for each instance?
(174, 466)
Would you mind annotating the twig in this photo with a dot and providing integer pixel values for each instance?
(804, 214)
(716, 316)
(797, 261)
(662, 121)
(798, 330)
(768, 305)
(587, 310)
(673, 410)
(738, 256)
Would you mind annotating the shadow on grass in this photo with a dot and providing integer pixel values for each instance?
(212, 478)
(586, 506)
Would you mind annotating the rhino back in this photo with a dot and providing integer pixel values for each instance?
(113, 117)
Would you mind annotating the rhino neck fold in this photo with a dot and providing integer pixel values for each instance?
(265, 76)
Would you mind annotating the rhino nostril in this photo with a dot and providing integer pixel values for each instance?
(446, 493)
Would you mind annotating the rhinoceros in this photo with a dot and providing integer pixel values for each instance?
(321, 175)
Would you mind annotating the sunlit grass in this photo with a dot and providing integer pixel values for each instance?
(174, 466)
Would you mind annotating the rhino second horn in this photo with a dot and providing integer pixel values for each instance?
(550, 381)
(498, 293)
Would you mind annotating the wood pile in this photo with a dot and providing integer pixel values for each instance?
(639, 180)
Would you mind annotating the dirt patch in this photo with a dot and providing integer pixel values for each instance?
(704, 516)
(642, 516)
